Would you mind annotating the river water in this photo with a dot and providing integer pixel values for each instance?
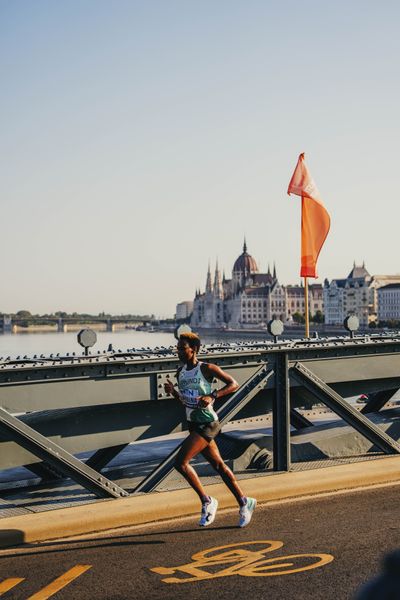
(29, 344)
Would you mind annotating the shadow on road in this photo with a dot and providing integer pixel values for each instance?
(49, 548)
(119, 540)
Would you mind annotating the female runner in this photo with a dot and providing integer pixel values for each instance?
(194, 391)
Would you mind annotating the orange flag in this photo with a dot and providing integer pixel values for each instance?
(315, 220)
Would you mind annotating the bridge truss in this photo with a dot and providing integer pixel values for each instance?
(53, 408)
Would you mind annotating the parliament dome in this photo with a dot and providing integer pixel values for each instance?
(245, 263)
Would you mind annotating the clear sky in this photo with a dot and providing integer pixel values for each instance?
(139, 140)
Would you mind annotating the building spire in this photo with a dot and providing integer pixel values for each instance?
(274, 271)
(208, 282)
(269, 270)
(218, 292)
(244, 245)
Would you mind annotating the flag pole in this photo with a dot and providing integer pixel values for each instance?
(306, 307)
(315, 223)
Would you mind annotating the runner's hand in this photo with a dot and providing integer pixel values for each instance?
(169, 387)
(205, 401)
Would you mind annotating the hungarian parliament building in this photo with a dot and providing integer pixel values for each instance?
(250, 299)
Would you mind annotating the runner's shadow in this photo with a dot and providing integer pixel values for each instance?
(200, 530)
(79, 546)
(125, 540)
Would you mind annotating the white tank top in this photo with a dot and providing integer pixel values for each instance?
(192, 384)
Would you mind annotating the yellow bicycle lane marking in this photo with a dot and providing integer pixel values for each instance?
(246, 559)
(8, 584)
(53, 587)
(60, 582)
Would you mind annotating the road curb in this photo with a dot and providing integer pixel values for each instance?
(139, 510)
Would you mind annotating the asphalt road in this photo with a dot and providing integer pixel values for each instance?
(320, 548)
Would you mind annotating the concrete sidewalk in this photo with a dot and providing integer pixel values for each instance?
(158, 506)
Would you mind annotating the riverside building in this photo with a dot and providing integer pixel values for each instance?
(295, 301)
(357, 294)
(389, 302)
(184, 310)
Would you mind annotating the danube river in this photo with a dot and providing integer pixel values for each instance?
(29, 344)
(21, 344)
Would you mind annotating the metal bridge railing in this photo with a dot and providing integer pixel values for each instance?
(103, 402)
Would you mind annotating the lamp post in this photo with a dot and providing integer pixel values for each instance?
(87, 338)
(275, 328)
(352, 324)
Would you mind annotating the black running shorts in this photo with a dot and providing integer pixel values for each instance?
(208, 431)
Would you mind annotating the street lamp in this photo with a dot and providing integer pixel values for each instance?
(351, 323)
(87, 338)
(275, 328)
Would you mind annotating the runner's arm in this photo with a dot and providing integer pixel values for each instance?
(212, 371)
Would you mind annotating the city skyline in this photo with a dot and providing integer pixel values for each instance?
(141, 141)
(273, 265)
(201, 288)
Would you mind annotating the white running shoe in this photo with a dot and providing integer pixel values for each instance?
(208, 512)
(246, 512)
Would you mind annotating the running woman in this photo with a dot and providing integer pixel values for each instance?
(194, 391)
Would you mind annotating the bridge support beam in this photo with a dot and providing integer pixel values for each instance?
(102, 457)
(281, 415)
(377, 401)
(7, 324)
(57, 457)
(44, 471)
(110, 326)
(61, 326)
(342, 408)
(299, 421)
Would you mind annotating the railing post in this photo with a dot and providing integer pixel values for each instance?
(281, 414)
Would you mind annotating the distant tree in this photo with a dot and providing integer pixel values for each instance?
(298, 317)
(318, 317)
(185, 320)
(391, 323)
(372, 325)
(23, 314)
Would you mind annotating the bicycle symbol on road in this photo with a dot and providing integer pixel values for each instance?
(247, 559)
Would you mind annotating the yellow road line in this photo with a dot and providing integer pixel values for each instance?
(8, 584)
(60, 582)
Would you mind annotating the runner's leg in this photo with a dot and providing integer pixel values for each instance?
(193, 445)
(211, 453)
